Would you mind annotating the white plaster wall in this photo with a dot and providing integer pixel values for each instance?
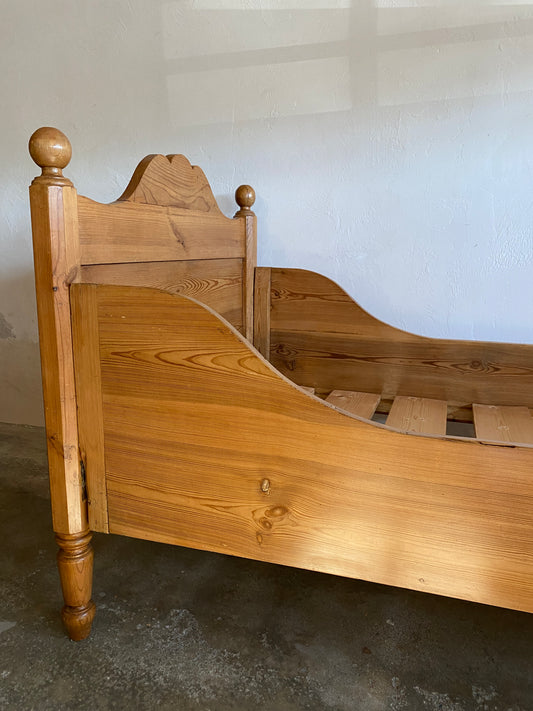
(390, 144)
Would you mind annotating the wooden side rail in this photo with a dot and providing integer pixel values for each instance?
(318, 336)
(292, 480)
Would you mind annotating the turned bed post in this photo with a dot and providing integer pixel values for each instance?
(245, 198)
(54, 213)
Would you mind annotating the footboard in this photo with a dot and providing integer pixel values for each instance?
(195, 439)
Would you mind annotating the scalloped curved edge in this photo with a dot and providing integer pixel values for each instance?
(170, 181)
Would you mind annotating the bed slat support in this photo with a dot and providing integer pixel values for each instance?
(496, 423)
(360, 404)
(418, 414)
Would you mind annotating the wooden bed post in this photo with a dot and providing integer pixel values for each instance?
(245, 198)
(54, 213)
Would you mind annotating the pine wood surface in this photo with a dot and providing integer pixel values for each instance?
(504, 424)
(360, 404)
(171, 181)
(129, 232)
(56, 258)
(195, 421)
(416, 414)
(75, 563)
(215, 282)
(86, 340)
(321, 337)
(262, 300)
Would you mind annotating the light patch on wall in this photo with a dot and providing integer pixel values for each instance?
(270, 4)
(270, 91)
(396, 20)
(194, 33)
(455, 71)
(456, 5)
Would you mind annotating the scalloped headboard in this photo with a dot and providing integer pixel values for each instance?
(167, 231)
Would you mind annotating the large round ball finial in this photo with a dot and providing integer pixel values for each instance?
(51, 150)
(245, 198)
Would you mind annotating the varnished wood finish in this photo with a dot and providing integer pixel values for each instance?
(196, 422)
(319, 335)
(89, 395)
(56, 256)
(249, 272)
(262, 311)
(166, 230)
(360, 404)
(170, 181)
(128, 232)
(245, 198)
(75, 563)
(503, 424)
(218, 283)
(417, 414)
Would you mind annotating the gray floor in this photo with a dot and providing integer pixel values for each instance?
(180, 629)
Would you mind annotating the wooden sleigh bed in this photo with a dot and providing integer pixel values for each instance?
(194, 399)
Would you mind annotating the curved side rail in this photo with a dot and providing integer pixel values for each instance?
(208, 446)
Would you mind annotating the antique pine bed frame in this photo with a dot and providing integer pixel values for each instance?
(194, 399)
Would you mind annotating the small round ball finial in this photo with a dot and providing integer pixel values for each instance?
(51, 150)
(245, 198)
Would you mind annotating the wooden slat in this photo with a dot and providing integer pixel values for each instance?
(417, 414)
(130, 232)
(262, 311)
(218, 283)
(86, 347)
(360, 404)
(503, 424)
(208, 446)
(320, 335)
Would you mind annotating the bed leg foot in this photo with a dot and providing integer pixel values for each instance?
(75, 563)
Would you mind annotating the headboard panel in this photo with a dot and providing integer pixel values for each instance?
(165, 231)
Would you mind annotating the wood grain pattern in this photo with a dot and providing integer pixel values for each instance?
(86, 345)
(503, 424)
(360, 404)
(129, 232)
(262, 311)
(320, 335)
(218, 283)
(250, 223)
(195, 421)
(416, 414)
(170, 181)
(75, 563)
(56, 259)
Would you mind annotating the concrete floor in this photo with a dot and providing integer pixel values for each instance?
(181, 629)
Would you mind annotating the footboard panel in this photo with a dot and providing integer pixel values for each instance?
(191, 437)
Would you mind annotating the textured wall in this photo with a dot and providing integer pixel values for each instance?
(390, 144)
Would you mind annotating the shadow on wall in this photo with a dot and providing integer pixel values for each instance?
(20, 374)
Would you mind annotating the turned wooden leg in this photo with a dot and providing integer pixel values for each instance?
(75, 563)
